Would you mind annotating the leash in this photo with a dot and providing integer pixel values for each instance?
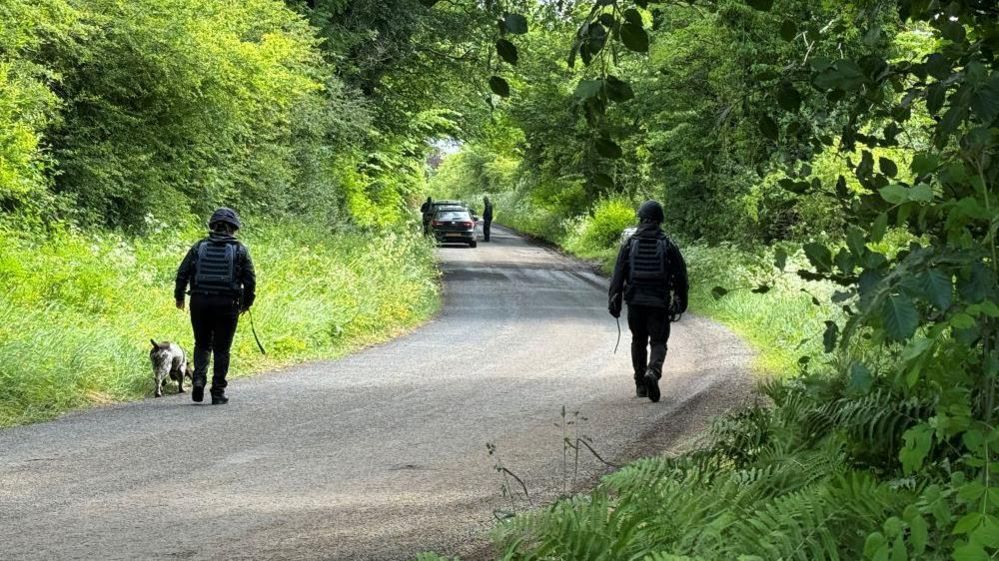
(618, 319)
(253, 328)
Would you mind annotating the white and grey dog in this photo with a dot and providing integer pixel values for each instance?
(169, 360)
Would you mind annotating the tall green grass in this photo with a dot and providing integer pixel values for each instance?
(77, 309)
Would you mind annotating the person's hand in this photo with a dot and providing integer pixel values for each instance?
(180, 304)
(615, 309)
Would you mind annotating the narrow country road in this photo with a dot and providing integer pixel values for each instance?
(377, 456)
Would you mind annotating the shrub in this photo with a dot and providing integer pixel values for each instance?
(602, 229)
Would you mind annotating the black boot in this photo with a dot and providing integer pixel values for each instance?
(219, 400)
(198, 393)
(640, 389)
(652, 386)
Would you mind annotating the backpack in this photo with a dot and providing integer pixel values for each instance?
(649, 270)
(215, 270)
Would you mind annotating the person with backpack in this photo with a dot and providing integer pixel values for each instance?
(651, 277)
(222, 286)
(487, 217)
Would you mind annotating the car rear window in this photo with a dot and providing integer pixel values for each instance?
(451, 215)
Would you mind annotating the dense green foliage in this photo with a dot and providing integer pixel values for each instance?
(853, 144)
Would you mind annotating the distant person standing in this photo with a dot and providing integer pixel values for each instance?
(223, 285)
(651, 276)
(425, 209)
(487, 217)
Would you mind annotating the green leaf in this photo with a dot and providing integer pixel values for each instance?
(718, 292)
(618, 90)
(878, 229)
(923, 164)
(938, 288)
(762, 5)
(895, 194)
(588, 88)
(798, 187)
(970, 552)
(788, 30)
(918, 440)
(507, 51)
(788, 98)
(632, 16)
(888, 167)
(967, 523)
(608, 148)
(515, 23)
(830, 336)
(876, 547)
(988, 533)
(819, 256)
(499, 86)
(918, 529)
(855, 241)
(900, 317)
(985, 101)
(769, 128)
(603, 180)
(843, 75)
(634, 37)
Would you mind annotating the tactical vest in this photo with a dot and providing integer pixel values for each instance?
(648, 271)
(215, 270)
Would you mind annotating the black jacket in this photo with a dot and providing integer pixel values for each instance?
(487, 212)
(244, 270)
(677, 275)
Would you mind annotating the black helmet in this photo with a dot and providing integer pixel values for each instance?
(651, 211)
(225, 215)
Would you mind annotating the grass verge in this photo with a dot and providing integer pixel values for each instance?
(78, 309)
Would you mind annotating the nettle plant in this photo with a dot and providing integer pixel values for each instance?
(920, 318)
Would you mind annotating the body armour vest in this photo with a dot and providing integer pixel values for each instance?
(215, 271)
(648, 272)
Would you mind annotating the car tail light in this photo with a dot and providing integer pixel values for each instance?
(435, 222)
(468, 224)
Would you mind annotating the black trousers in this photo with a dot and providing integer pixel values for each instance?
(649, 328)
(214, 319)
(485, 229)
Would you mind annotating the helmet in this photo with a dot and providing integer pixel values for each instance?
(226, 215)
(651, 211)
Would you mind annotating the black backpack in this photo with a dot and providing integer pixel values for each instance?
(649, 269)
(215, 270)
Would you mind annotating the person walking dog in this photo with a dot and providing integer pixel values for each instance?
(222, 283)
(487, 217)
(651, 276)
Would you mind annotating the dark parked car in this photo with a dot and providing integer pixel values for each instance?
(454, 226)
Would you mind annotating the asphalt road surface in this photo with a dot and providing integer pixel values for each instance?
(377, 456)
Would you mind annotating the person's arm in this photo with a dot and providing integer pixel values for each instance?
(616, 292)
(681, 285)
(249, 280)
(184, 273)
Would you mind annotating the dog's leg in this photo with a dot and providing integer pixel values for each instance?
(180, 381)
(159, 385)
